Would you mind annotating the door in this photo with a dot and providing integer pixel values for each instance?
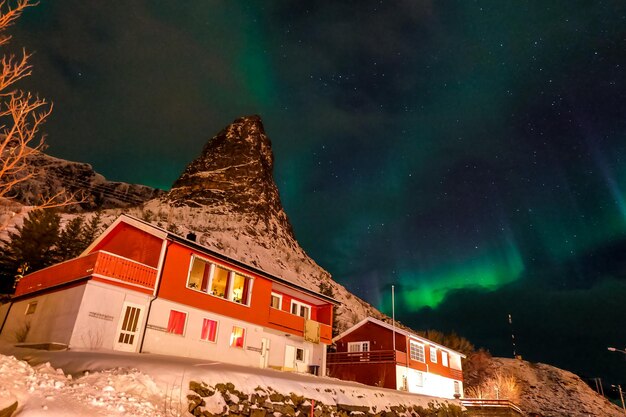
(128, 329)
(290, 358)
(265, 352)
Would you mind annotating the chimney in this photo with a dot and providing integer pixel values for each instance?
(191, 236)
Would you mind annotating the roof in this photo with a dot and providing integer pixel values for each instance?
(399, 330)
(166, 234)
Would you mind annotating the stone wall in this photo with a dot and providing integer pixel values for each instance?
(225, 399)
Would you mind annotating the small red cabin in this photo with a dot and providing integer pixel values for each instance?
(377, 353)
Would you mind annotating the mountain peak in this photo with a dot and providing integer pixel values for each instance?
(234, 172)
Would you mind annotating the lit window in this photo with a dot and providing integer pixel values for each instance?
(358, 346)
(218, 281)
(457, 388)
(239, 288)
(276, 301)
(300, 309)
(31, 307)
(209, 330)
(433, 355)
(237, 336)
(417, 352)
(444, 358)
(199, 275)
(176, 323)
(300, 355)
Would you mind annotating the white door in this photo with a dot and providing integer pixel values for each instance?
(128, 329)
(265, 352)
(290, 358)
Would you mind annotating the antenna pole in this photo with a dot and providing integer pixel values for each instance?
(393, 318)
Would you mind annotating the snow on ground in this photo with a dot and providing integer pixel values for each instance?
(79, 383)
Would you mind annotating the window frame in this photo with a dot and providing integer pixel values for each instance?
(420, 346)
(433, 354)
(300, 304)
(280, 300)
(303, 354)
(184, 324)
(243, 341)
(28, 310)
(217, 328)
(419, 380)
(246, 299)
(444, 358)
(360, 345)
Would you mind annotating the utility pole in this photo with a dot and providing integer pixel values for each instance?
(512, 336)
(621, 396)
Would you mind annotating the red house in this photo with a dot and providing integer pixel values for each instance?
(140, 288)
(368, 354)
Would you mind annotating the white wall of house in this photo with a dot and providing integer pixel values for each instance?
(425, 383)
(101, 310)
(280, 355)
(51, 320)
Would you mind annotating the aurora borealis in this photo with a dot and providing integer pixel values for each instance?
(471, 153)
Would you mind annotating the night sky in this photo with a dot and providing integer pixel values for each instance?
(471, 153)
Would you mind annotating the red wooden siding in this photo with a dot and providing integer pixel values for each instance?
(380, 338)
(131, 274)
(132, 243)
(173, 287)
(375, 374)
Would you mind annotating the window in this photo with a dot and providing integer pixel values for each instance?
(457, 388)
(219, 281)
(209, 330)
(176, 323)
(216, 280)
(300, 355)
(31, 307)
(358, 346)
(276, 301)
(433, 355)
(237, 336)
(444, 358)
(417, 352)
(300, 309)
(419, 379)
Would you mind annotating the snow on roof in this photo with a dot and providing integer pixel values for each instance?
(399, 330)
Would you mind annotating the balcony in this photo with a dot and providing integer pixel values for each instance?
(100, 265)
(375, 356)
(290, 323)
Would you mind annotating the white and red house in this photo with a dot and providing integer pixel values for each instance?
(140, 288)
(367, 353)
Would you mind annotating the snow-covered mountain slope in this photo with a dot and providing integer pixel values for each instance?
(53, 175)
(547, 391)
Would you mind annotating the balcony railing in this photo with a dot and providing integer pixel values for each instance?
(295, 325)
(473, 403)
(378, 356)
(100, 264)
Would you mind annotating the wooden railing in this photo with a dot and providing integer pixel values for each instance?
(295, 325)
(379, 356)
(489, 403)
(102, 264)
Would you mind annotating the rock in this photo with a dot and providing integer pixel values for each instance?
(8, 411)
(258, 412)
(350, 408)
(200, 389)
(277, 398)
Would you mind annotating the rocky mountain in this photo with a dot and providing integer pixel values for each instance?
(52, 175)
(546, 391)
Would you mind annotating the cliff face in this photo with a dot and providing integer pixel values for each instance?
(53, 175)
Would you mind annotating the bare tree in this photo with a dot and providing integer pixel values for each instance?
(21, 116)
